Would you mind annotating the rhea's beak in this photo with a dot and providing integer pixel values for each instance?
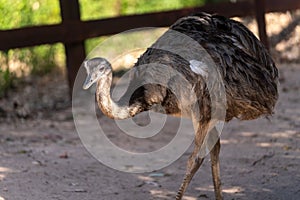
(88, 82)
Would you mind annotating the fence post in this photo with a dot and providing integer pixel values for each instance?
(261, 21)
(75, 51)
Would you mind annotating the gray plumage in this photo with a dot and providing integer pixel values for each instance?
(248, 72)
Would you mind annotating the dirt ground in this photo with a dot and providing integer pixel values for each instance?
(43, 158)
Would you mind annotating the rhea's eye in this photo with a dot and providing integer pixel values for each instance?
(101, 68)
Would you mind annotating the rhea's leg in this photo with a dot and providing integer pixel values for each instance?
(194, 161)
(215, 168)
(193, 165)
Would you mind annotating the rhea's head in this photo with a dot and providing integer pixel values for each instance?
(95, 69)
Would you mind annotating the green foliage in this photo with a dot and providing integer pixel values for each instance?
(6, 77)
(96, 9)
(21, 13)
(38, 60)
(4, 82)
(46, 57)
(216, 1)
(144, 6)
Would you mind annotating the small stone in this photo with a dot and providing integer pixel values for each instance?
(64, 156)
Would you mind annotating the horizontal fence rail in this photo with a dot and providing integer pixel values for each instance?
(72, 31)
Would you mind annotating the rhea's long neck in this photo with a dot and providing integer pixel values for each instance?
(107, 105)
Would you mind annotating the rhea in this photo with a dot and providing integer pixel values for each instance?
(247, 71)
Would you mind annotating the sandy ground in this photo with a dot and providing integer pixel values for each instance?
(45, 159)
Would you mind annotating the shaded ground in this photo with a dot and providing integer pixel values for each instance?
(43, 158)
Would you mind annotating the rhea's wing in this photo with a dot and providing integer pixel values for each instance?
(249, 73)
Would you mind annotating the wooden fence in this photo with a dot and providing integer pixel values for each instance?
(72, 32)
